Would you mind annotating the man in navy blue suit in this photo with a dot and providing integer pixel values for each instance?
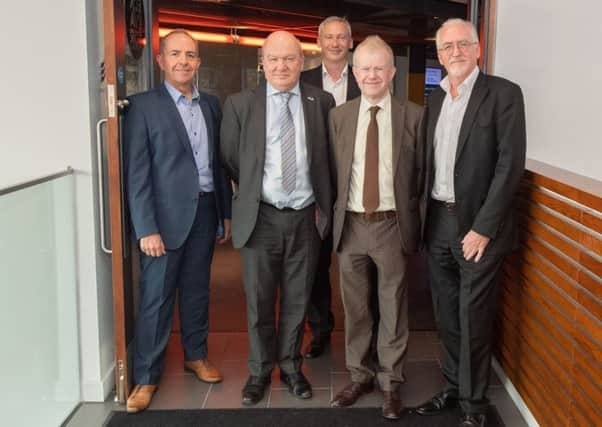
(179, 198)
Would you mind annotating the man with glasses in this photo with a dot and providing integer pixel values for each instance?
(178, 196)
(275, 146)
(475, 156)
(334, 76)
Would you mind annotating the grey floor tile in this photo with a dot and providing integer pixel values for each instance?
(93, 414)
(227, 394)
(506, 407)
(180, 392)
(281, 398)
(423, 380)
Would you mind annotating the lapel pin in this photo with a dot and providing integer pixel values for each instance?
(311, 98)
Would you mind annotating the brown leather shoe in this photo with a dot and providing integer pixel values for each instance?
(204, 370)
(392, 405)
(350, 393)
(140, 398)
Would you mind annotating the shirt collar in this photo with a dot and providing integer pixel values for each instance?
(465, 86)
(343, 74)
(272, 91)
(176, 95)
(384, 103)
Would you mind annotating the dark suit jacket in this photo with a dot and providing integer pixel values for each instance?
(162, 182)
(490, 160)
(243, 138)
(314, 78)
(407, 165)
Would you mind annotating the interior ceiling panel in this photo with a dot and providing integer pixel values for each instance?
(400, 22)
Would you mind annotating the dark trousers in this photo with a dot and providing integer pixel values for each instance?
(319, 311)
(465, 297)
(279, 258)
(186, 269)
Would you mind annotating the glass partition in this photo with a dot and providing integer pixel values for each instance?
(39, 361)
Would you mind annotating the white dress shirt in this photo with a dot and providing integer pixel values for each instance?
(385, 157)
(447, 133)
(338, 89)
(272, 191)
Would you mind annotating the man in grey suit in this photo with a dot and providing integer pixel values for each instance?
(475, 156)
(274, 142)
(377, 163)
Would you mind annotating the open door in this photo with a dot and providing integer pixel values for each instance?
(128, 69)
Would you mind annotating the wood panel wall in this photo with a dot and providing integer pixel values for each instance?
(549, 324)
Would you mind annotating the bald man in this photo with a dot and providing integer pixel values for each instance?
(275, 146)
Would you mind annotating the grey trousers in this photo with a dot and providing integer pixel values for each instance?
(363, 243)
(280, 258)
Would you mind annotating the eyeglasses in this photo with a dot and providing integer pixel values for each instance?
(462, 45)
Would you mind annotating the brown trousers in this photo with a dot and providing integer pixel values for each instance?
(363, 243)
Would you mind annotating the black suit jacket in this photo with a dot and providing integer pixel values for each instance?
(490, 160)
(162, 181)
(314, 78)
(243, 139)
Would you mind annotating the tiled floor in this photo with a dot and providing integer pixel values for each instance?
(327, 374)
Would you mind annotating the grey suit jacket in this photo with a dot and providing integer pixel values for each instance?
(243, 138)
(490, 160)
(407, 165)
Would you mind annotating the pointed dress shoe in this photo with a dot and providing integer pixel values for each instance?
(204, 370)
(140, 398)
(473, 420)
(316, 347)
(350, 393)
(392, 405)
(254, 389)
(438, 403)
(297, 384)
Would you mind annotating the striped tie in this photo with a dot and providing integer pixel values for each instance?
(287, 144)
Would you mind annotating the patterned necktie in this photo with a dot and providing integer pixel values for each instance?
(288, 155)
(371, 197)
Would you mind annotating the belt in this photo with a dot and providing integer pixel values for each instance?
(287, 209)
(374, 216)
(449, 206)
(205, 193)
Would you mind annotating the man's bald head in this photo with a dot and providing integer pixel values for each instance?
(282, 60)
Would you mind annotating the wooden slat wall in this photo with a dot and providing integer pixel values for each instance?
(549, 325)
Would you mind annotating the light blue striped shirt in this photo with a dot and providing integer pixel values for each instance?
(196, 128)
(272, 191)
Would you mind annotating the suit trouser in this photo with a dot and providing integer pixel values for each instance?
(364, 243)
(279, 257)
(319, 311)
(465, 297)
(186, 269)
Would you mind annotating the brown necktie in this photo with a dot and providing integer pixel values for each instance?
(371, 196)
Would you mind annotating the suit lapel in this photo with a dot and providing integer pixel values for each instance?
(308, 103)
(258, 122)
(398, 121)
(207, 115)
(348, 141)
(173, 116)
(479, 91)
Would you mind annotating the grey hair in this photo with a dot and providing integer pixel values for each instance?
(457, 21)
(375, 42)
(334, 19)
(173, 33)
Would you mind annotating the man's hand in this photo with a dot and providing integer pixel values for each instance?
(227, 232)
(152, 245)
(474, 244)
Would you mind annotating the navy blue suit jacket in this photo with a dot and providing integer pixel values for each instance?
(162, 181)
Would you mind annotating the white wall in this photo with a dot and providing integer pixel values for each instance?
(552, 49)
(46, 126)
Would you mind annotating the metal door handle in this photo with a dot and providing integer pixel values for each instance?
(101, 203)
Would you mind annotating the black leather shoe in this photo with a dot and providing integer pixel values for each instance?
(253, 390)
(297, 384)
(473, 420)
(316, 347)
(438, 403)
